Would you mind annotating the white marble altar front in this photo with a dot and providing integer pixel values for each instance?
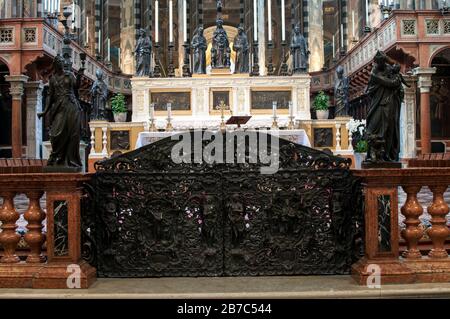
(201, 88)
(296, 136)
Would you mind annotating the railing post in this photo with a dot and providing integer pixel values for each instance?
(8, 237)
(412, 210)
(439, 230)
(34, 237)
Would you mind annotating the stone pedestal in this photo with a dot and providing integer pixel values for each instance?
(408, 121)
(47, 150)
(33, 92)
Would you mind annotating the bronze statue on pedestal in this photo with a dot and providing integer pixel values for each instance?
(220, 51)
(299, 52)
(341, 88)
(63, 110)
(241, 47)
(99, 93)
(199, 47)
(143, 54)
(383, 120)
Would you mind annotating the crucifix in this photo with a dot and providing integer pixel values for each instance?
(223, 107)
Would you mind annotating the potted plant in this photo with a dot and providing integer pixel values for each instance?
(360, 145)
(119, 108)
(321, 104)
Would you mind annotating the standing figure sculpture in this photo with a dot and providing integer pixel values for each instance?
(99, 92)
(220, 47)
(299, 52)
(383, 120)
(199, 47)
(64, 111)
(341, 88)
(143, 54)
(241, 48)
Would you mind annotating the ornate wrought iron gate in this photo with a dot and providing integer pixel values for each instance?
(151, 217)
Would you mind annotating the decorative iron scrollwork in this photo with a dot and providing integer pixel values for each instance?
(151, 217)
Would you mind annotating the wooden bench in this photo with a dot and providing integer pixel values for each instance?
(21, 165)
(431, 160)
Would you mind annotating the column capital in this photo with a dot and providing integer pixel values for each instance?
(34, 85)
(17, 83)
(424, 78)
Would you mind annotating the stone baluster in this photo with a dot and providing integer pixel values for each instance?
(439, 231)
(412, 210)
(350, 140)
(105, 141)
(34, 237)
(8, 237)
(93, 140)
(338, 137)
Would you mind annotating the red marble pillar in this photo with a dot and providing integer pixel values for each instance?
(16, 91)
(424, 84)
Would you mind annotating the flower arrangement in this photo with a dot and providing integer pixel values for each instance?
(358, 130)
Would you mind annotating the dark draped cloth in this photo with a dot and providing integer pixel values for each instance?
(65, 121)
(384, 112)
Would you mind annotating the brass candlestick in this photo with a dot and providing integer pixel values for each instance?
(222, 107)
(152, 125)
(291, 124)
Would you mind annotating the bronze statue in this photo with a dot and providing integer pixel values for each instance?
(143, 54)
(220, 47)
(299, 52)
(199, 46)
(241, 48)
(341, 88)
(63, 110)
(383, 120)
(99, 92)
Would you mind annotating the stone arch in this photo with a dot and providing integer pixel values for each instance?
(436, 53)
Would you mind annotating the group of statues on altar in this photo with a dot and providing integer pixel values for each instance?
(221, 51)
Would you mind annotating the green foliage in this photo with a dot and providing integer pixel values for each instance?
(362, 147)
(118, 104)
(321, 102)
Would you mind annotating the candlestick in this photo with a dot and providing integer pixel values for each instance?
(270, 67)
(170, 21)
(186, 62)
(275, 122)
(283, 21)
(156, 21)
(269, 19)
(284, 69)
(169, 127)
(171, 66)
(367, 28)
(255, 68)
(255, 21)
(152, 118)
(157, 69)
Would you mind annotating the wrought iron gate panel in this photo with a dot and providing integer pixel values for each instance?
(151, 217)
(159, 225)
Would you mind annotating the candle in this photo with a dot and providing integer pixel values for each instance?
(184, 21)
(342, 35)
(291, 109)
(99, 41)
(367, 13)
(170, 21)
(353, 24)
(118, 57)
(152, 111)
(169, 110)
(156, 21)
(334, 45)
(108, 44)
(255, 21)
(87, 30)
(274, 108)
(269, 18)
(283, 21)
(73, 15)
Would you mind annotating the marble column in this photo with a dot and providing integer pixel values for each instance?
(408, 121)
(424, 84)
(33, 93)
(262, 36)
(16, 91)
